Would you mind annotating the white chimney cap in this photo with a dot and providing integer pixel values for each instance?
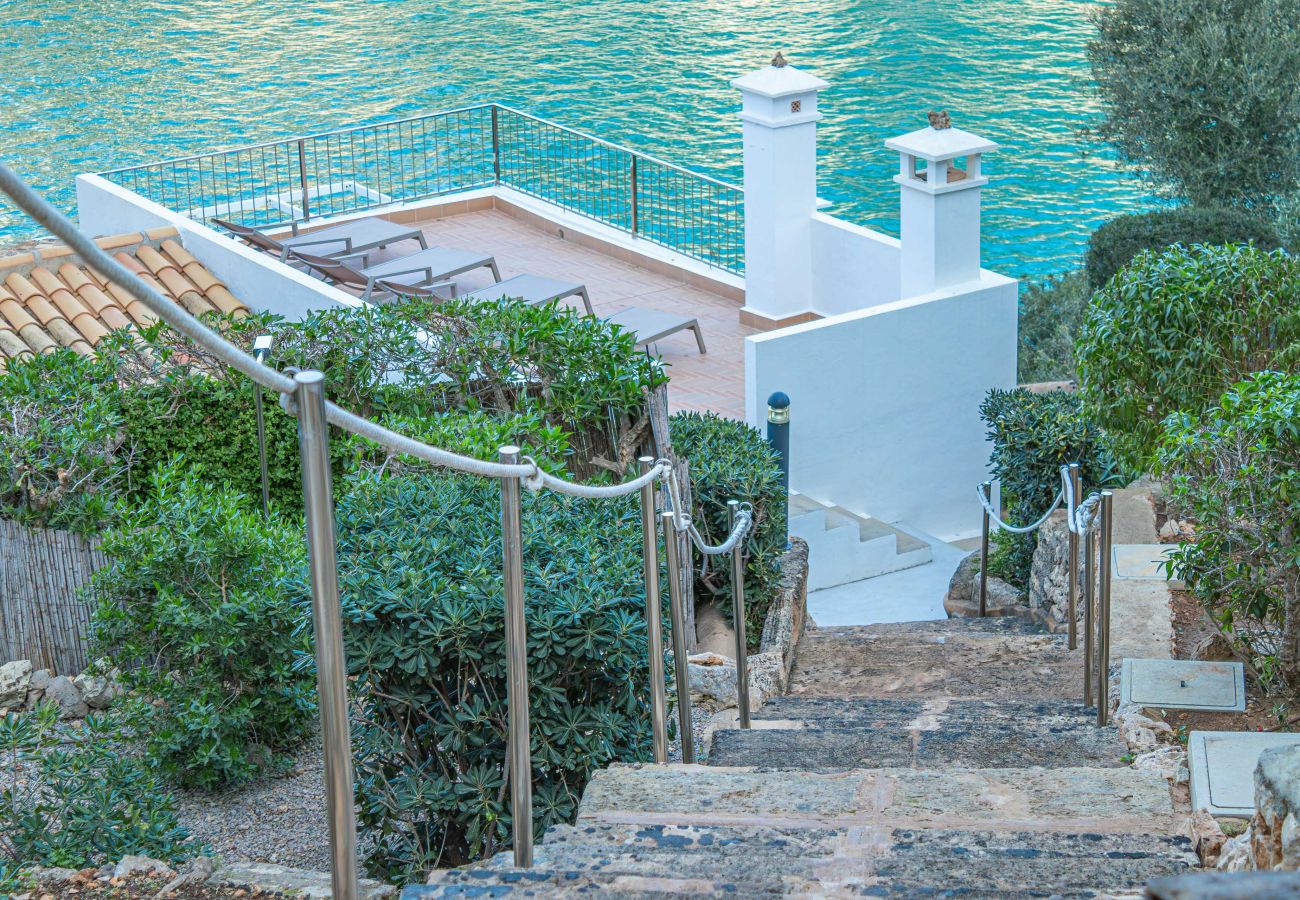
(939, 144)
(774, 82)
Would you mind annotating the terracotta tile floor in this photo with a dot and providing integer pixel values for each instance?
(715, 381)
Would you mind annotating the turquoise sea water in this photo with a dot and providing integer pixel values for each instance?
(88, 85)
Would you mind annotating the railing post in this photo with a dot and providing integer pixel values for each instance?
(261, 347)
(302, 180)
(653, 625)
(738, 611)
(677, 613)
(987, 489)
(1072, 566)
(1103, 610)
(1089, 620)
(327, 623)
(496, 146)
(519, 761)
(636, 199)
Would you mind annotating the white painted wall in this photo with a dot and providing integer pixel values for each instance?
(265, 284)
(852, 267)
(884, 402)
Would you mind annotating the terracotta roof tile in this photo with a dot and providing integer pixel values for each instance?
(50, 299)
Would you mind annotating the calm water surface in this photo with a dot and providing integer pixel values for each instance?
(88, 85)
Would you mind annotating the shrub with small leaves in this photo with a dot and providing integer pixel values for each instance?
(420, 564)
(75, 795)
(1033, 435)
(1050, 315)
(729, 460)
(196, 610)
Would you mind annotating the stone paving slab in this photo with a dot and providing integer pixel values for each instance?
(1183, 684)
(1066, 799)
(926, 714)
(1222, 765)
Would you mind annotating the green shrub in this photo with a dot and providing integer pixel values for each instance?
(731, 461)
(1033, 435)
(1203, 97)
(1114, 244)
(196, 610)
(420, 565)
(61, 441)
(1173, 330)
(1234, 470)
(74, 796)
(1050, 315)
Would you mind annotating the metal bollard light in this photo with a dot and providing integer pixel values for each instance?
(738, 610)
(987, 488)
(1089, 620)
(1072, 566)
(519, 759)
(681, 668)
(653, 623)
(327, 622)
(778, 432)
(1103, 609)
(262, 347)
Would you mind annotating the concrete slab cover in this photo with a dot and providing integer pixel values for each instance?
(1183, 684)
(1223, 768)
(1141, 561)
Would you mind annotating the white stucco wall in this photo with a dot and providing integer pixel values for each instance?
(265, 284)
(884, 402)
(853, 267)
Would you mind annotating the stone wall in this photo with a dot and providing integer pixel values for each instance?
(1048, 578)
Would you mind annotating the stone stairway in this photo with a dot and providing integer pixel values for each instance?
(924, 759)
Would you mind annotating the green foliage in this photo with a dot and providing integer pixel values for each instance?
(731, 461)
(74, 796)
(1115, 243)
(420, 560)
(1050, 315)
(1233, 468)
(1173, 330)
(1204, 97)
(61, 441)
(1033, 435)
(196, 610)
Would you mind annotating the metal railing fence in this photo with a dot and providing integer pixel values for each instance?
(303, 396)
(1091, 520)
(291, 182)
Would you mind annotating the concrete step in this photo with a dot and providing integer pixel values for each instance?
(764, 861)
(844, 546)
(954, 663)
(1075, 800)
(969, 745)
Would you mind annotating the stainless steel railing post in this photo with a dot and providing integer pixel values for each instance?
(261, 347)
(519, 759)
(327, 622)
(1089, 620)
(302, 180)
(987, 488)
(677, 613)
(1072, 567)
(496, 146)
(653, 625)
(738, 610)
(636, 198)
(1103, 610)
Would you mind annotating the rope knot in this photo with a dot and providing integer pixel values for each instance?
(535, 480)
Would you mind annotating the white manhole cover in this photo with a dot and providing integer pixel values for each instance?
(1183, 684)
(1141, 562)
(1223, 763)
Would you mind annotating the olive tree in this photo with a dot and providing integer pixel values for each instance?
(1204, 95)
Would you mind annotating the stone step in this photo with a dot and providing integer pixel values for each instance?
(952, 663)
(960, 625)
(766, 861)
(483, 883)
(1103, 800)
(967, 745)
(871, 712)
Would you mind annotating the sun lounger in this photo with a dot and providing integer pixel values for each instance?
(345, 239)
(652, 325)
(533, 290)
(424, 267)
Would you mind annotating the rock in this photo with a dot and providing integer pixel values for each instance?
(963, 597)
(1169, 763)
(1235, 856)
(142, 865)
(294, 882)
(49, 874)
(1141, 733)
(1207, 837)
(97, 691)
(14, 678)
(1214, 648)
(1275, 829)
(62, 691)
(40, 680)
(788, 613)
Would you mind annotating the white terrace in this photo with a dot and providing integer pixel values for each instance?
(885, 346)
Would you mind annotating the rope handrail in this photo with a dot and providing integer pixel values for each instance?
(1079, 519)
(532, 475)
(1005, 526)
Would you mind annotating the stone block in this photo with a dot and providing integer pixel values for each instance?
(14, 680)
